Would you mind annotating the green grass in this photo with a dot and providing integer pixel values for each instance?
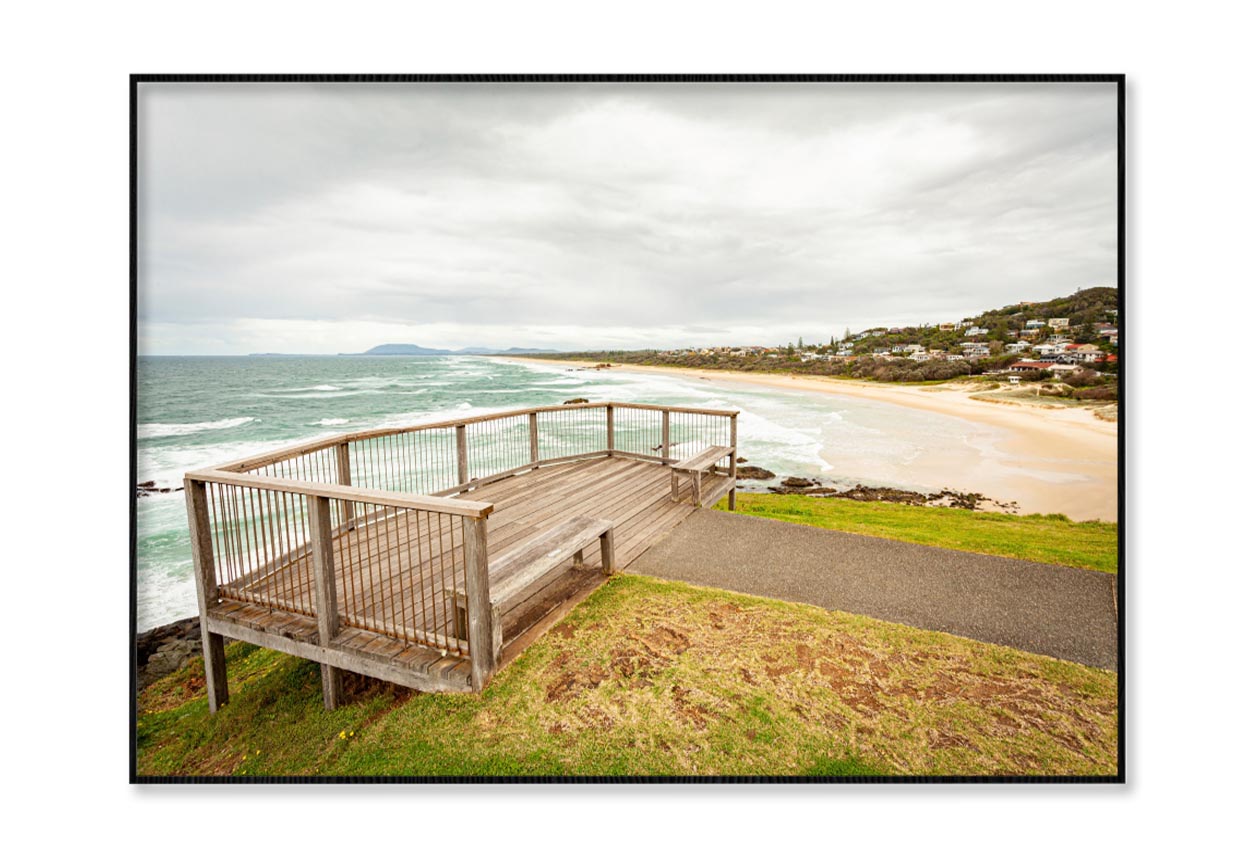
(1042, 538)
(653, 677)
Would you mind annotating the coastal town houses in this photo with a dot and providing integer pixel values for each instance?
(1029, 366)
(1083, 352)
(1052, 344)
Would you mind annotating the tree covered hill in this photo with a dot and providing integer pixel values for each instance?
(1084, 309)
(974, 346)
(1093, 305)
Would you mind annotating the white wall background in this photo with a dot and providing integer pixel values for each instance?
(65, 225)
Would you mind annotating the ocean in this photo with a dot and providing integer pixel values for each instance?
(198, 411)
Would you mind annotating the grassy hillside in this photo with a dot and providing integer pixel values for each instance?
(1042, 538)
(654, 677)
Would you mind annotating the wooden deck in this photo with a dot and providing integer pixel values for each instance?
(430, 555)
(274, 606)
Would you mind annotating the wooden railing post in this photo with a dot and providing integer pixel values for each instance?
(609, 429)
(482, 629)
(343, 467)
(325, 599)
(206, 591)
(735, 452)
(533, 424)
(665, 437)
(463, 456)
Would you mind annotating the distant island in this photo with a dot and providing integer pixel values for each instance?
(403, 349)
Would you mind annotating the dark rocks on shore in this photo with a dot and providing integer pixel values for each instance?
(859, 492)
(166, 649)
(575, 401)
(753, 472)
(149, 487)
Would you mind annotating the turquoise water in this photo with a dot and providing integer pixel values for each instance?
(195, 412)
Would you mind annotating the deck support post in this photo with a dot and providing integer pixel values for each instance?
(324, 595)
(481, 630)
(608, 562)
(343, 467)
(665, 437)
(609, 429)
(533, 425)
(463, 456)
(735, 452)
(206, 591)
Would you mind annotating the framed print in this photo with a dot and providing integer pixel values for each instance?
(627, 428)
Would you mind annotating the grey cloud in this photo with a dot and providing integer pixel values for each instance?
(574, 213)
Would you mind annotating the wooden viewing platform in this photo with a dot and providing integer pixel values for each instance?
(432, 555)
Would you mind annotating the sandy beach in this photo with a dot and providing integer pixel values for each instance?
(1043, 458)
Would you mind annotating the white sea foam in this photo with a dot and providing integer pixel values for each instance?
(317, 395)
(167, 465)
(168, 430)
(457, 412)
(330, 422)
(310, 388)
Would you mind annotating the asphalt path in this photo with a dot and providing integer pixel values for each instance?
(1059, 611)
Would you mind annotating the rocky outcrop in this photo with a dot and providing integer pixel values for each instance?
(149, 487)
(166, 649)
(753, 472)
(944, 497)
(575, 401)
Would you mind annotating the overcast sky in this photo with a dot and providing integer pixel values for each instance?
(311, 219)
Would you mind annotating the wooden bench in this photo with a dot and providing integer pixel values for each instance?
(520, 572)
(697, 466)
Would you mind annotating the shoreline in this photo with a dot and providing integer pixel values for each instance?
(1046, 459)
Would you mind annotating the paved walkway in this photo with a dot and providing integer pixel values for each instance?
(1054, 610)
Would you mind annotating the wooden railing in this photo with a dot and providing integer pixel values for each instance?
(451, 457)
(267, 530)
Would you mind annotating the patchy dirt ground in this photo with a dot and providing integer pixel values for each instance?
(655, 677)
(911, 701)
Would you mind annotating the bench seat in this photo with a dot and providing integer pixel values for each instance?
(520, 572)
(697, 466)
